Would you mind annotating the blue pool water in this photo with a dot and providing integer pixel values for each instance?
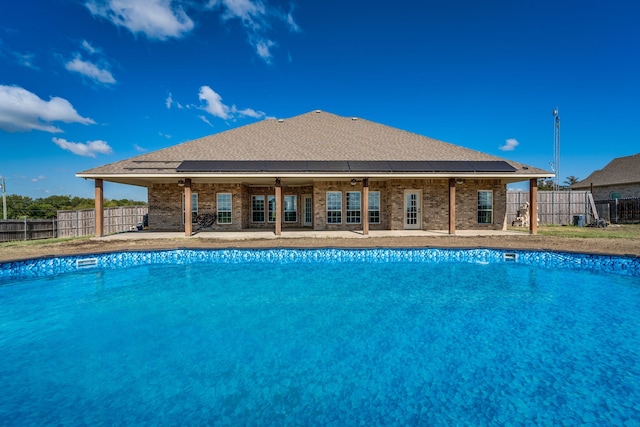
(318, 339)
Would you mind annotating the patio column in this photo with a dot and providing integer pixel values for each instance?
(452, 206)
(365, 206)
(278, 207)
(188, 221)
(533, 206)
(99, 207)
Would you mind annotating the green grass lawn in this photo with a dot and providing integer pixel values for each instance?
(42, 241)
(614, 231)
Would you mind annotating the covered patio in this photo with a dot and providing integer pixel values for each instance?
(298, 234)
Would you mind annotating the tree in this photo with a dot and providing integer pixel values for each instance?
(18, 206)
(570, 180)
(48, 207)
(545, 184)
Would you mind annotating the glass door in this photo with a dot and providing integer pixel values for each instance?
(412, 211)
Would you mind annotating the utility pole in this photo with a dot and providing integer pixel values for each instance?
(4, 200)
(556, 149)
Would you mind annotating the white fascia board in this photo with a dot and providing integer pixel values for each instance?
(315, 176)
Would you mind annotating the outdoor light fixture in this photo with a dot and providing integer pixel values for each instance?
(355, 181)
(181, 183)
(459, 181)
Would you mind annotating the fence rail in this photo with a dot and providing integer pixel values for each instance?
(554, 207)
(83, 222)
(27, 229)
(70, 223)
(619, 211)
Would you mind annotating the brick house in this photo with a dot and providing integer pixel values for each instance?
(319, 171)
(620, 177)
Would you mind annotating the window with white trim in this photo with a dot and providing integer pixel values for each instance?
(353, 207)
(374, 207)
(334, 207)
(257, 208)
(194, 207)
(271, 204)
(224, 208)
(485, 207)
(290, 208)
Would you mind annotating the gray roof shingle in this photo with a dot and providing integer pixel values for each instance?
(621, 170)
(314, 136)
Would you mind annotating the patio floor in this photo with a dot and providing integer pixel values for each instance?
(299, 234)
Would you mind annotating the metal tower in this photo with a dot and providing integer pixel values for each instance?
(556, 149)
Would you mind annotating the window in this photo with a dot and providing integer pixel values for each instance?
(257, 208)
(485, 207)
(194, 207)
(224, 208)
(374, 207)
(271, 200)
(334, 207)
(290, 208)
(353, 207)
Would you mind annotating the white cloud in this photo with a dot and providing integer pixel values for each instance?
(263, 49)
(509, 145)
(139, 149)
(88, 149)
(204, 119)
(90, 70)
(156, 19)
(164, 19)
(213, 105)
(256, 18)
(169, 101)
(23, 111)
(293, 26)
(89, 47)
(249, 112)
(23, 59)
(26, 59)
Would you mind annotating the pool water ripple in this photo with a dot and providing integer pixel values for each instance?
(342, 340)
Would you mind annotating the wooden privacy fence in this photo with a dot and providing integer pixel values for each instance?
(27, 229)
(72, 224)
(554, 207)
(116, 220)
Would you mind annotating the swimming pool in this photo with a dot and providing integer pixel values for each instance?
(321, 337)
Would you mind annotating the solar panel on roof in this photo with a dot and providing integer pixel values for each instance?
(328, 166)
(336, 166)
(369, 166)
(285, 166)
(493, 166)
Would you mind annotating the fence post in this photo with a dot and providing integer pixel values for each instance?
(53, 221)
(25, 228)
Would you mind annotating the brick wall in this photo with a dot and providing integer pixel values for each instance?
(165, 204)
(320, 204)
(297, 191)
(627, 191)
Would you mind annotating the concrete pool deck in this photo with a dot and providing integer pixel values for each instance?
(299, 234)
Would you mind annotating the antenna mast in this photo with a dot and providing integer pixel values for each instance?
(556, 149)
(4, 199)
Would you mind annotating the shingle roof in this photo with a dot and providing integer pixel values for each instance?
(621, 170)
(314, 136)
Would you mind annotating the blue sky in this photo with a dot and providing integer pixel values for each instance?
(88, 82)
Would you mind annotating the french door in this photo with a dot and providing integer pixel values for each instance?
(307, 210)
(412, 210)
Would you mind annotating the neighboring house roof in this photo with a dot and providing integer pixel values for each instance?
(316, 136)
(621, 170)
